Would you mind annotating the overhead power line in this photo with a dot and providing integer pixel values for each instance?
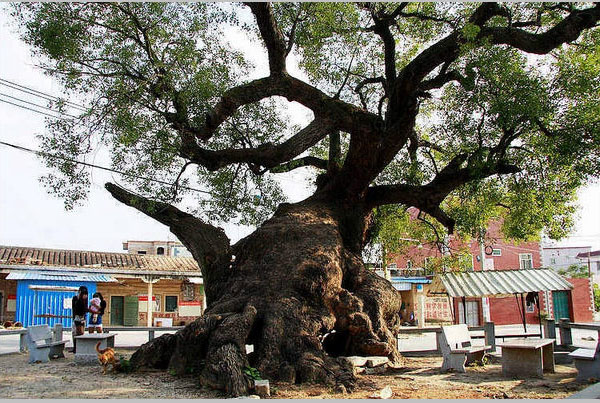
(36, 105)
(50, 155)
(31, 109)
(37, 93)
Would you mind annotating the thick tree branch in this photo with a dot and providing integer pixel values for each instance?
(447, 49)
(565, 31)
(265, 155)
(345, 116)
(382, 29)
(308, 161)
(271, 34)
(206, 242)
(335, 152)
(424, 198)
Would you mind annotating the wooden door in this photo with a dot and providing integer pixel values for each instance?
(130, 317)
(116, 310)
(560, 300)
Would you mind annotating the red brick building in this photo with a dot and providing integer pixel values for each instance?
(498, 254)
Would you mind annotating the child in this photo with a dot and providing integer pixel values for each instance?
(95, 307)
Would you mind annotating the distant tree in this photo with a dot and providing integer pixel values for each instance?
(457, 109)
(596, 297)
(575, 271)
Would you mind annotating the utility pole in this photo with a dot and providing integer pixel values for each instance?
(485, 303)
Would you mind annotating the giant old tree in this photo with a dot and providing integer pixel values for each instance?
(450, 108)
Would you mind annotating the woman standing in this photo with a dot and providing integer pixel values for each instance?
(97, 305)
(79, 307)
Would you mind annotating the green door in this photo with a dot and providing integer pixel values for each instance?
(116, 310)
(560, 300)
(130, 317)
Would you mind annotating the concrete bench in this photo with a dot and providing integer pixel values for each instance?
(85, 352)
(587, 362)
(457, 349)
(41, 345)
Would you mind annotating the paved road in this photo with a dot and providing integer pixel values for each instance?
(413, 342)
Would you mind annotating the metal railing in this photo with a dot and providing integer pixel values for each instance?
(151, 332)
(565, 326)
(489, 334)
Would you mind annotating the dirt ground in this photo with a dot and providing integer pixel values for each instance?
(419, 378)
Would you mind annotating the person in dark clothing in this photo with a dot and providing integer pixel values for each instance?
(95, 321)
(79, 306)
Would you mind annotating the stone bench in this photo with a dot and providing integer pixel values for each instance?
(85, 352)
(587, 361)
(41, 345)
(457, 349)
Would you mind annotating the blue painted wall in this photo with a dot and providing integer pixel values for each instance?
(35, 302)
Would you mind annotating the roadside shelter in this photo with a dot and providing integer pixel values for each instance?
(522, 284)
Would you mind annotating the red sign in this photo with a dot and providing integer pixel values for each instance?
(190, 303)
(11, 296)
(145, 298)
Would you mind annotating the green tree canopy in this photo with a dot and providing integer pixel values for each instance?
(503, 100)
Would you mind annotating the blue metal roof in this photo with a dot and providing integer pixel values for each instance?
(59, 276)
(412, 280)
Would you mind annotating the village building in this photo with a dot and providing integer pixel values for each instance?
(411, 274)
(561, 257)
(160, 248)
(37, 284)
(591, 260)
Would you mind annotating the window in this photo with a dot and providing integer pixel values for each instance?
(141, 252)
(409, 264)
(496, 252)
(160, 250)
(392, 266)
(525, 260)
(530, 307)
(552, 260)
(170, 303)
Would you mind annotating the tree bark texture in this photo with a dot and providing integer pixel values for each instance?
(297, 291)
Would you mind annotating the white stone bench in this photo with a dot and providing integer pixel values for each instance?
(587, 361)
(40, 345)
(457, 349)
(85, 352)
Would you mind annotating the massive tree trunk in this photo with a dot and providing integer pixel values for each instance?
(297, 290)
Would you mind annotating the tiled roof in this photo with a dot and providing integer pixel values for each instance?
(18, 255)
(590, 254)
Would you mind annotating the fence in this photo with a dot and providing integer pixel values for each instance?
(151, 330)
(565, 326)
(58, 329)
(489, 334)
